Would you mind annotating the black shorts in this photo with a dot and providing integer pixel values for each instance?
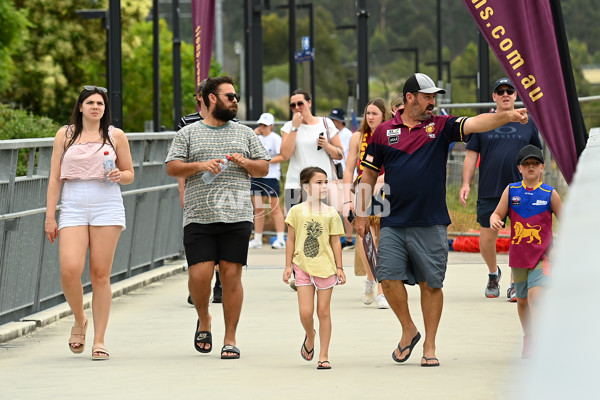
(217, 241)
(485, 209)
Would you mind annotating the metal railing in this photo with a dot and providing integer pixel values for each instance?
(29, 268)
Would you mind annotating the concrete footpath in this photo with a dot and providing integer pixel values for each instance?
(151, 329)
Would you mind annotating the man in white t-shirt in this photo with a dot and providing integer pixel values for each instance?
(338, 117)
(268, 187)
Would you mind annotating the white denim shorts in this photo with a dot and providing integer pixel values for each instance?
(91, 202)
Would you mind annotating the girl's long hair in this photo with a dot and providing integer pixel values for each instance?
(77, 118)
(383, 107)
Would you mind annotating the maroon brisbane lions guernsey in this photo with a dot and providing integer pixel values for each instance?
(530, 214)
(414, 159)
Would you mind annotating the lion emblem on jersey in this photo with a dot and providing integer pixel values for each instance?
(531, 232)
(429, 128)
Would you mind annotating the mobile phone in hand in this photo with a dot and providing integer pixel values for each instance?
(350, 216)
(320, 135)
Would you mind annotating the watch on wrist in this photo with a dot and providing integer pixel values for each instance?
(294, 129)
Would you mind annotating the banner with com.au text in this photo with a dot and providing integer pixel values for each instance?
(523, 36)
(203, 19)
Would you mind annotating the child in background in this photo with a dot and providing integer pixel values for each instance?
(314, 253)
(530, 205)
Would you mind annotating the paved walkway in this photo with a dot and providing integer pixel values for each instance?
(152, 356)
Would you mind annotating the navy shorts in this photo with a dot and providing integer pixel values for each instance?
(412, 255)
(264, 187)
(217, 241)
(485, 209)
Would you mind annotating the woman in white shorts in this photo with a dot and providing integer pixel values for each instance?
(92, 215)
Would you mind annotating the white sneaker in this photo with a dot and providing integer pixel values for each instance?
(369, 294)
(278, 244)
(382, 301)
(255, 244)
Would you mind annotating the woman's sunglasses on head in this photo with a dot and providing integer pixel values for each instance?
(100, 88)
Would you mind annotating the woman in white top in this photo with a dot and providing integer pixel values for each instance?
(92, 215)
(305, 144)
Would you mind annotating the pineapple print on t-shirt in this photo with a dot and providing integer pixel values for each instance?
(311, 244)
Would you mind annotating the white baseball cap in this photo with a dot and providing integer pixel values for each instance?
(266, 119)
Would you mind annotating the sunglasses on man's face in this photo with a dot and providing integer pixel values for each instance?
(230, 96)
(100, 88)
(510, 92)
(298, 104)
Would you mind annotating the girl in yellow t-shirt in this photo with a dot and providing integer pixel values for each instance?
(314, 253)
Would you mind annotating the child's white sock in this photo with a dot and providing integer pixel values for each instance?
(280, 236)
(258, 237)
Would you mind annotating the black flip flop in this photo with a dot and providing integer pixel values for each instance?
(410, 347)
(437, 364)
(228, 348)
(310, 353)
(321, 365)
(202, 337)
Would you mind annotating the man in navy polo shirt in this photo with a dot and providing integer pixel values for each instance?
(413, 248)
(497, 168)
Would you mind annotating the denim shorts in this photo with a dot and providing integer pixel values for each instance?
(264, 187)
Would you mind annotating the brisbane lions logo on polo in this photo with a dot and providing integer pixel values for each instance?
(429, 130)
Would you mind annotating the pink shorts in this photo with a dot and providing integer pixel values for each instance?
(304, 279)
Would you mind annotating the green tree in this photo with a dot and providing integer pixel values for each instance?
(13, 24)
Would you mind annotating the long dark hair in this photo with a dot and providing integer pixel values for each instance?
(383, 107)
(77, 118)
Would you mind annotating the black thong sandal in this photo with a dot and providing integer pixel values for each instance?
(309, 353)
(323, 365)
(228, 348)
(427, 359)
(202, 337)
(410, 347)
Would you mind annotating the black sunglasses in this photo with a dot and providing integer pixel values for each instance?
(100, 88)
(510, 92)
(298, 104)
(230, 96)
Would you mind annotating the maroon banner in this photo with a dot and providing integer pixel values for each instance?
(522, 35)
(203, 19)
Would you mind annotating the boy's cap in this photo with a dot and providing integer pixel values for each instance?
(503, 81)
(530, 151)
(421, 83)
(266, 119)
(338, 114)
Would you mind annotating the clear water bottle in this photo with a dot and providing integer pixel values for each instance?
(208, 176)
(108, 163)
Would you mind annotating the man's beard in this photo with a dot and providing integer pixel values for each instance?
(222, 113)
(418, 115)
